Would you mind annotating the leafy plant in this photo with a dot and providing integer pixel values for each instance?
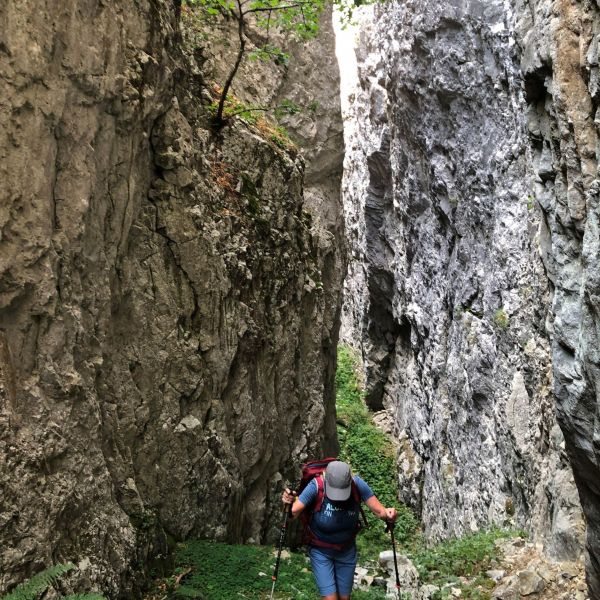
(221, 571)
(33, 587)
(501, 319)
(296, 18)
(467, 556)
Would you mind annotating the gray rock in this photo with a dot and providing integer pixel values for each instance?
(426, 592)
(407, 572)
(160, 355)
(529, 582)
(495, 574)
(447, 295)
(508, 590)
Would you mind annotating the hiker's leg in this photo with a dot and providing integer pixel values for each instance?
(323, 571)
(345, 565)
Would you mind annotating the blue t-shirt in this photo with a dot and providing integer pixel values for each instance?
(336, 521)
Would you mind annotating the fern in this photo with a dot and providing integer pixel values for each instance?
(187, 591)
(28, 590)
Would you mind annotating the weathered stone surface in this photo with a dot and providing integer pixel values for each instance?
(559, 61)
(447, 292)
(168, 300)
(529, 582)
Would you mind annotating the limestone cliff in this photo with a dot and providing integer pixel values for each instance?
(560, 60)
(168, 299)
(448, 291)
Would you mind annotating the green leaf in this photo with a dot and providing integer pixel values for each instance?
(29, 589)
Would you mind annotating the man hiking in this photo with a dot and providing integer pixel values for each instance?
(334, 499)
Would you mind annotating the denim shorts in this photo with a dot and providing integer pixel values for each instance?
(333, 569)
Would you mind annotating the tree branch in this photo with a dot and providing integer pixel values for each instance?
(272, 9)
(236, 66)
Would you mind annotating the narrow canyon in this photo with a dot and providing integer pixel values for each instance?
(173, 293)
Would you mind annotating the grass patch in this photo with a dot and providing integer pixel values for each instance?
(469, 556)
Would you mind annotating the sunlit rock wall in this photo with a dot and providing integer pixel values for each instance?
(448, 297)
(558, 43)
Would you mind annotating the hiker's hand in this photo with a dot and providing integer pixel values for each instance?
(391, 514)
(288, 496)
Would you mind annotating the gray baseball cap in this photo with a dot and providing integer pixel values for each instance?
(338, 481)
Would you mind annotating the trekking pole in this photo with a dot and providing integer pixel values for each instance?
(286, 518)
(390, 527)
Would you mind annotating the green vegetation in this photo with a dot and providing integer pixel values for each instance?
(370, 453)
(233, 107)
(216, 571)
(221, 572)
(297, 19)
(462, 557)
(467, 557)
(34, 587)
(501, 319)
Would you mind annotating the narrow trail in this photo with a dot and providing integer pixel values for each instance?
(496, 564)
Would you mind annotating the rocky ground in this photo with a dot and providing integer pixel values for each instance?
(525, 571)
(522, 571)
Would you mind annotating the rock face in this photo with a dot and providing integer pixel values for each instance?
(560, 64)
(169, 301)
(447, 292)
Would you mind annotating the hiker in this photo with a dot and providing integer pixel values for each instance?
(333, 528)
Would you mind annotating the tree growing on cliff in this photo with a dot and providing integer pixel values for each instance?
(297, 19)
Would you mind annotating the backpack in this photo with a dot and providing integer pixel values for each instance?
(315, 470)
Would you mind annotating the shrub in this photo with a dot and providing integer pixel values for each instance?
(466, 556)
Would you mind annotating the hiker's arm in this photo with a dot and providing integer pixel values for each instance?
(289, 497)
(379, 510)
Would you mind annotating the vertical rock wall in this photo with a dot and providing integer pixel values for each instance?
(169, 301)
(560, 66)
(447, 291)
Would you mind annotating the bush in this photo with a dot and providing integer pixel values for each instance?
(468, 556)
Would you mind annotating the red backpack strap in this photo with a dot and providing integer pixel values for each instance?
(320, 494)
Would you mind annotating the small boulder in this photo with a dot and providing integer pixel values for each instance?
(427, 591)
(507, 590)
(529, 582)
(407, 572)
